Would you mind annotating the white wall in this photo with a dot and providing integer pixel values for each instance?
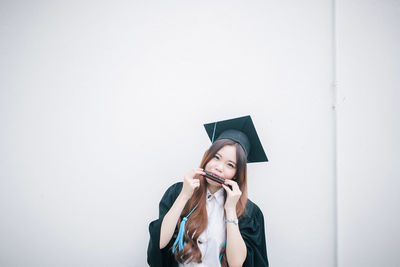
(102, 106)
(368, 69)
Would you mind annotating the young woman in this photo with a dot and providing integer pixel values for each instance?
(205, 223)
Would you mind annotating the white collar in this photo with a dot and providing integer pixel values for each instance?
(219, 196)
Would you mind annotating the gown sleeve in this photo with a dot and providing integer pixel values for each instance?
(251, 227)
(157, 257)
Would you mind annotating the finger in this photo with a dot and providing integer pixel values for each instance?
(197, 176)
(190, 175)
(235, 187)
(200, 171)
(232, 183)
(227, 189)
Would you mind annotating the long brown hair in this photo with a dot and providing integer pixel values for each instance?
(198, 220)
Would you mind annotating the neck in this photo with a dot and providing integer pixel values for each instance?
(213, 188)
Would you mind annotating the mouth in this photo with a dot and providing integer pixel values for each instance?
(214, 177)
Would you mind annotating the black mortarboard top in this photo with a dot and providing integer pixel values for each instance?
(240, 130)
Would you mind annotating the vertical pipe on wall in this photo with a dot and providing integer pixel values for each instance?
(334, 137)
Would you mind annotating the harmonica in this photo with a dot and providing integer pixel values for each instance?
(214, 177)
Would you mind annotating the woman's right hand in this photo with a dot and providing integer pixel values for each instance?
(191, 182)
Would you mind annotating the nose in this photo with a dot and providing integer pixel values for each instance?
(218, 167)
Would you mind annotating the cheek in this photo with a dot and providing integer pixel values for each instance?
(208, 165)
(230, 174)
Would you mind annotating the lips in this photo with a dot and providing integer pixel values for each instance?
(214, 177)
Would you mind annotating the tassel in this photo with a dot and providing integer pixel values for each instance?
(220, 256)
(181, 233)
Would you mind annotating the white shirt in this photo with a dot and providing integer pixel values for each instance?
(212, 240)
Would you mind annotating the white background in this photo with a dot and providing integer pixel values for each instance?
(102, 106)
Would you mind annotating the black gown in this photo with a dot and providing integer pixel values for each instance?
(251, 226)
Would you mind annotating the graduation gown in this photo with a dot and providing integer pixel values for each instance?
(251, 226)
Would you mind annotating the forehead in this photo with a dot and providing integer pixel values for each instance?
(228, 152)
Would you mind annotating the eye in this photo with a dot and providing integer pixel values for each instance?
(216, 157)
(231, 165)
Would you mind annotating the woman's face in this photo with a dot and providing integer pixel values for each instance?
(223, 163)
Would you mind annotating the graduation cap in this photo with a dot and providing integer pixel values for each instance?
(242, 131)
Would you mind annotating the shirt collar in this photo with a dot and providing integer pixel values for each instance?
(219, 196)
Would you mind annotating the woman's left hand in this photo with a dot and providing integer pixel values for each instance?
(233, 195)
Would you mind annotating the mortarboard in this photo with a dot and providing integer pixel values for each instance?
(240, 130)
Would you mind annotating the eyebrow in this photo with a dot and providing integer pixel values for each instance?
(222, 157)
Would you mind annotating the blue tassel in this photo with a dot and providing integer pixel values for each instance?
(181, 233)
(179, 238)
(220, 256)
